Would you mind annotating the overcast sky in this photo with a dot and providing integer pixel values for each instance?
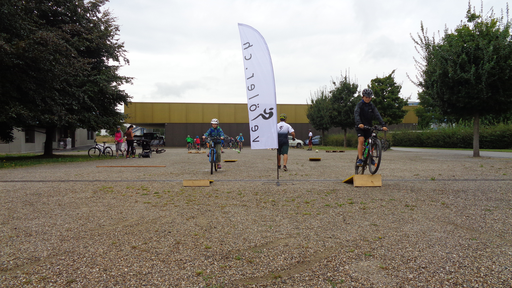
(190, 51)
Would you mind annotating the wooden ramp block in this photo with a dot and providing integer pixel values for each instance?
(196, 183)
(315, 159)
(231, 160)
(365, 180)
(335, 151)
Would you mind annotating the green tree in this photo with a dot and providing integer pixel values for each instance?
(59, 63)
(319, 112)
(430, 115)
(343, 102)
(387, 98)
(468, 73)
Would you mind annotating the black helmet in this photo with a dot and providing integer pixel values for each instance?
(367, 92)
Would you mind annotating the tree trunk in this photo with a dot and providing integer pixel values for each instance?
(476, 136)
(345, 138)
(48, 144)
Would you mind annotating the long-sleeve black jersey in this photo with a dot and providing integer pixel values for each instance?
(365, 113)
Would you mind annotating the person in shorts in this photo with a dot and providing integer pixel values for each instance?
(130, 150)
(283, 129)
(364, 114)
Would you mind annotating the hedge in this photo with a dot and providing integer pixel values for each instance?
(492, 137)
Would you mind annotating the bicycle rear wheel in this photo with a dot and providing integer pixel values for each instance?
(94, 152)
(109, 152)
(375, 155)
(360, 169)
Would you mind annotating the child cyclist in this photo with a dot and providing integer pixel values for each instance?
(198, 143)
(364, 114)
(240, 139)
(215, 131)
(190, 142)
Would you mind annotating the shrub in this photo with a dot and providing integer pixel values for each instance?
(491, 137)
(337, 140)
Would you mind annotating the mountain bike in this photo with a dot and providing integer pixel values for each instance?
(212, 155)
(99, 150)
(372, 152)
(189, 146)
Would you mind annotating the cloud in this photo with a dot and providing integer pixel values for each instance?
(164, 90)
(189, 51)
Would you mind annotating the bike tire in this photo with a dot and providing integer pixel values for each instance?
(94, 152)
(211, 159)
(360, 169)
(375, 154)
(108, 152)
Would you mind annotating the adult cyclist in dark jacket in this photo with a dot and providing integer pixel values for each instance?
(364, 114)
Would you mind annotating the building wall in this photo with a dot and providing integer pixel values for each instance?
(19, 145)
(182, 119)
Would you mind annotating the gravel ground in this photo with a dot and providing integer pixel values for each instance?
(437, 221)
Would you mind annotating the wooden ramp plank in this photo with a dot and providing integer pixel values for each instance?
(196, 183)
(230, 160)
(131, 166)
(315, 159)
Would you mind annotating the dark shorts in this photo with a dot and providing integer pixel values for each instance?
(283, 150)
(363, 133)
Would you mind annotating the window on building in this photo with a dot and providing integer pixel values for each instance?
(30, 135)
(90, 135)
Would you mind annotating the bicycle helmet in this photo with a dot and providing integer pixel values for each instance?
(282, 117)
(240, 134)
(197, 136)
(215, 121)
(367, 92)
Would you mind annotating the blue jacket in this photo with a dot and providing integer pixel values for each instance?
(217, 132)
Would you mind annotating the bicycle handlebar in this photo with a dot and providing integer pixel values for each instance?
(372, 128)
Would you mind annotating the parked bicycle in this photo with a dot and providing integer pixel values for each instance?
(372, 152)
(212, 155)
(385, 144)
(99, 150)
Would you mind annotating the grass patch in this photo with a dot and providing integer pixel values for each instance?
(26, 160)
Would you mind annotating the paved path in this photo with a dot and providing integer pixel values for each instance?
(455, 152)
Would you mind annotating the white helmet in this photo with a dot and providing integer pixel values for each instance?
(215, 121)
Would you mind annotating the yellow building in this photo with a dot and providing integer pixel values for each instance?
(182, 119)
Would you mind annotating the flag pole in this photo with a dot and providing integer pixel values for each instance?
(277, 167)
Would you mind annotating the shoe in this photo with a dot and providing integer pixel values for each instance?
(218, 166)
(284, 168)
(278, 166)
(133, 156)
(359, 162)
(373, 162)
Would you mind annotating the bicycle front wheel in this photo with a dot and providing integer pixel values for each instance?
(375, 156)
(94, 152)
(211, 157)
(109, 152)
